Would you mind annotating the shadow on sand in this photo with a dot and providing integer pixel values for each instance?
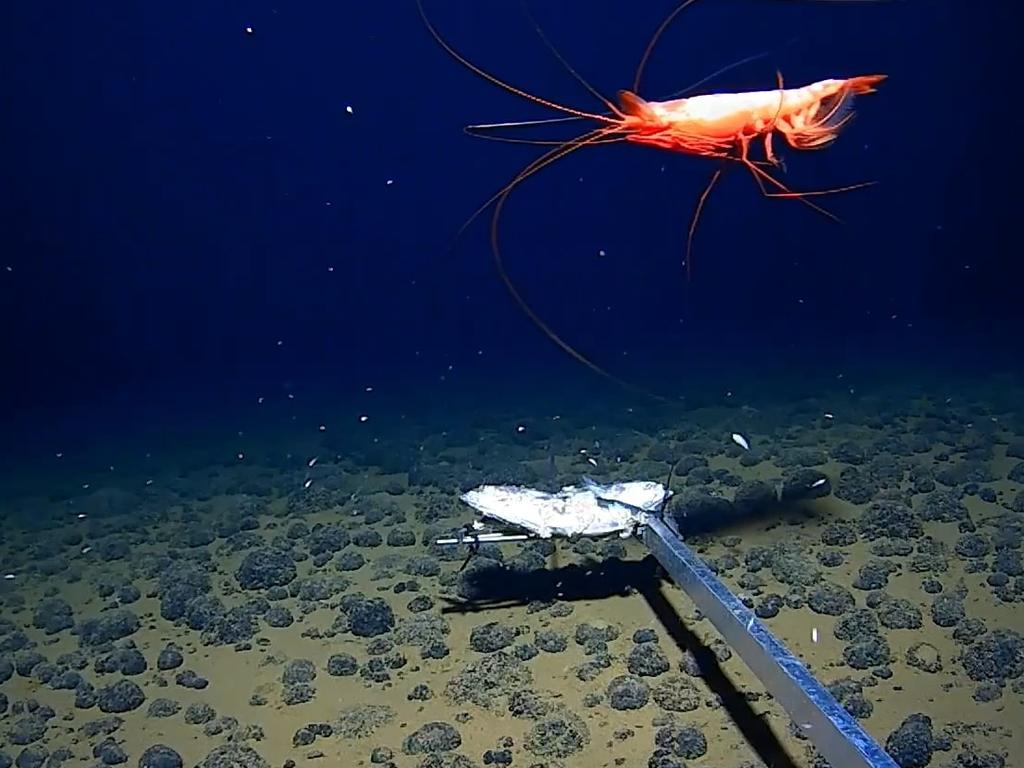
(492, 587)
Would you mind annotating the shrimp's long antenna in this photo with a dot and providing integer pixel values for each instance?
(523, 123)
(535, 142)
(682, 7)
(696, 217)
(501, 83)
(501, 198)
(568, 67)
(479, 131)
(717, 73)
(596, 136)
(654, 41)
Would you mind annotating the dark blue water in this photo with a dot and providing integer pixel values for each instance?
(193, 210)
(229, 243)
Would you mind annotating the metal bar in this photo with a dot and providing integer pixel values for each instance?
(483, 538)
(836, 734)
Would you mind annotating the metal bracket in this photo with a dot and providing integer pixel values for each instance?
(835, 733)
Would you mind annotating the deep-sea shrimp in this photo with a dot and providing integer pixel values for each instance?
(720, 126)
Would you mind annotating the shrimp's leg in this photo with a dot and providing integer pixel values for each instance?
(769, 129)
(761, 176)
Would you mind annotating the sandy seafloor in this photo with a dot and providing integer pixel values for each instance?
(329, 631)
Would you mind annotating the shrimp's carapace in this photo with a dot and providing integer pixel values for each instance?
(715, 124)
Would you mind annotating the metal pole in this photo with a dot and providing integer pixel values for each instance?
(836, 734)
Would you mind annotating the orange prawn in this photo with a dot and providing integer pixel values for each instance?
(720, 126)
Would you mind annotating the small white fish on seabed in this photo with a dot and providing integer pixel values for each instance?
(741, 441)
